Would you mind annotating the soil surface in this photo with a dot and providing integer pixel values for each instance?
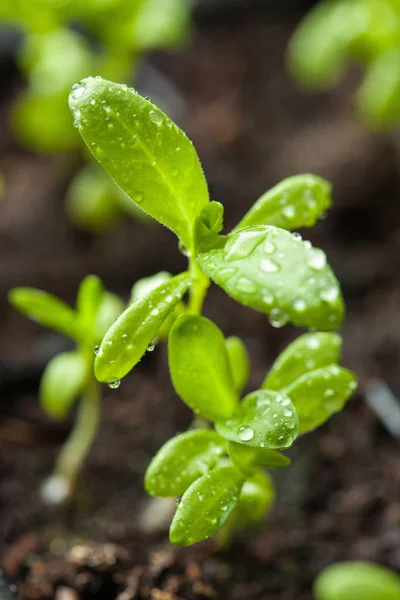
(340, 498)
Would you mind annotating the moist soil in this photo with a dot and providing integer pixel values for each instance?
(340, 498)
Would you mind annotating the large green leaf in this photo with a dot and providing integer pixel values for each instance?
(149, 157)
(199, 367)
(246, 458)
(128, 338)
(239, 361)
(264, 419)
(206, 505)
(357, 581)
(62, 382)
(294, 203)
(319, 394)
(182, 460)
(271, 270)
(308, 352)
(45, 309)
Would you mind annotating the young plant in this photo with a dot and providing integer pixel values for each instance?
(357, 581)
(339, 32)
(69, 376)
(261, 264)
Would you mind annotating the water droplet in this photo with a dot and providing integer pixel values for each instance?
(114, 384)
(246, 285)
(267, 298)
(78, 89)
(92, 101)
(96, 349)
(287, 412)
(269, 247)
(278, 318)
(242, 244)
(328, 393)
(329, 294)
(155, 117)
(314, 342)
(151, 347)
(138, 197)
(317, 259)
(289, 211)
(299, 304)
(297, 236)
(98, 78)
(285, 402)
(246, 434)
(155, 312)
(269, 266)
(182, 249)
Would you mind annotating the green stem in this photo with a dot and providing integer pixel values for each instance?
(199, 287)
(80, 441)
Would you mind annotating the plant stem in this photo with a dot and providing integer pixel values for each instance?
(198, 289)
(82, 436)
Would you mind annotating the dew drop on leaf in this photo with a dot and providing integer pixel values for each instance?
(114, 384)
(246, 434)
(155, 117)
(96, 349)
(78, 89)
(317, 260)
(278, 318)
(269, 266)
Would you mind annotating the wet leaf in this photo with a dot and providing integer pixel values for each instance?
(307, 353)
(182, 460)
(239, 361)
(62, 382)
(264, 419)
(206, 505)
(246, 458)
(199, 367)
(256, 497)
(269, 269)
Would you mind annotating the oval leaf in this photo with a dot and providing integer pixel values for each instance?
(255, 499)
(45, 309)
(239, 361)
(206, 505)
(294, 203)
(109, 310)
(199, 367)
(88, 302)
(149, 157)
(264, 419)
(245, 458)
(310, 351)
(319, 394)
(62, 382)
(128, 338)
(270, 270)
(357, 581)
(182, 460)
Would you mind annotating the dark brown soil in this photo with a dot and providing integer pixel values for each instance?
(340, 499)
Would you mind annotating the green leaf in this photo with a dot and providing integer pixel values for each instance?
(110, 308)
(182, 460)
(88, 302)
(319, 394)
(206, 505)
(271, 270)
(357, 581)
(294, 203)
(245, 458)
(128, 338)
(62, 382)
(264, 419)
(239, 361)
(149, 157)
(45, 309)
(308, 352)
(147, 284)
(209, 223)
(162, 24)
(256, 497)
(199, 367)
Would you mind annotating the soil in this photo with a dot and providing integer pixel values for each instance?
(340, 498)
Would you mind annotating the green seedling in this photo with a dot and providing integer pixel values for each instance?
(65, 41)
(218, 472)
(339, 32)
(357, 581)
(69, 378)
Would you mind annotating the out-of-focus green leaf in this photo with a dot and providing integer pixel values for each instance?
(199, 367)
(255, 499)
(246, 458)
(239, 361)
(111, 307)
(62, 382)
(88, 302)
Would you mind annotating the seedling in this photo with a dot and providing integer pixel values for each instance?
(69, 376)
(357, 581)
(260, 264)
(339, 32)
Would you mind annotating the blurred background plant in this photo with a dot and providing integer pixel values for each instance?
(64, 41)
(337, 33)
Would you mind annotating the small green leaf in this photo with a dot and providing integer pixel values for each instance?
(264, 419)
(319, 394)
(357, 581)
(62, 382)
(199, 367)
(88, 302)
(209, 223)
(144, 286)
(271, 270)
(307, 353)
(45, 309)
(182, 460)
(164, 24)
(239, 361)
(128, 338)
(206, 505)
(109, 310)
(245, 458)
(255, 499)
(149, 157)
(294, 203)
